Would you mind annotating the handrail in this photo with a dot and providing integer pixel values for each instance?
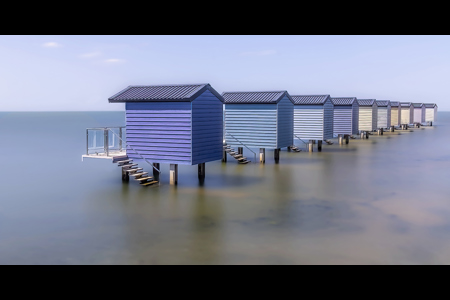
(133, 149)
(301, 139)
(254, 153)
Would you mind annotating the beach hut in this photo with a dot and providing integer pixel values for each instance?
(430, 113)
(395, 113)
(407, 114)
(368, 115)
(313, 118)
(261, 120)
(345, 115)
(383, 114)
(173, 124)
(419, 113)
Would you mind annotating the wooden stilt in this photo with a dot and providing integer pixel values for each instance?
(201, 171)
(240, 150)
(319, 145)
(262, 155)
(173, 174)
(276, 155)
(125, 176)
(347, 138)
(341, 141)
(311, 146)
(156, 173)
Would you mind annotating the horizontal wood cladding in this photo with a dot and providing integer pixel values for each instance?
(285, 126)
(383, 117)
(395, 116)
(309, 122)
(407, 115)
(254, 125)
(429, 114)
(343, 120)
(366, 121)
(207, 128)
(159, 131)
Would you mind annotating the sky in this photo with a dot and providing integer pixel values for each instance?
(80, 73)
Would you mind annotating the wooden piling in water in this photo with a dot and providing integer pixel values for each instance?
(319, 145)
(262, 155)
(276, 155)
(125, 176)
(201, 171)
(155, 172)
(173, 174)
(311, 146)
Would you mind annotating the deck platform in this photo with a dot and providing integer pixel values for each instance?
(111, 155)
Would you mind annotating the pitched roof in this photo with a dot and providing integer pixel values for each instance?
(383, 103)
(430, 105)
(405, 104)
(310, 99)
(366, 102)
(395, 103)
(417, 105)
(343, 100)
(162, 93)
(254, 97)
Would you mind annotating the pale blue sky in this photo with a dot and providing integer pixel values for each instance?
(80, 72)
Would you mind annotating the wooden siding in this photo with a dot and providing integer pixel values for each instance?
(207, 128)
(309, 122)
(429, 114)
(417, 115)
(254, 125)
(285, 119)
(367, 118)
(407, 115)
(384, 117)
(328, 112)
(161, 132)
(395, 116)
(342, 120)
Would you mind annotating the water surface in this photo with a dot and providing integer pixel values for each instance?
(379, 201)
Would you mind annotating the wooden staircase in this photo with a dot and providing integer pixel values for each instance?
(294, 148)
(128, 167)
(239, 157)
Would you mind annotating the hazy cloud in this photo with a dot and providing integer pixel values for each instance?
(258, 53)
(90, 55)
(51, 45)
(114, 60)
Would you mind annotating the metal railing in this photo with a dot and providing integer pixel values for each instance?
(109, 143)
(254, 153)
(302, 141)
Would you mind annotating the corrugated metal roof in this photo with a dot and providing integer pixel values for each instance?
(417, 105)
(254, 97)
(309, 99)
(429, 105)
(343, 100)
(395, 103)
(366, 102)
(382, 103)
(156, 93)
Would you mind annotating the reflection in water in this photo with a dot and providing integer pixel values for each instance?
(377, 201)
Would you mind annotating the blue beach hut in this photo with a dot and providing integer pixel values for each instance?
(313, 118)
(173, 124)
(259, 120)
(345, 118)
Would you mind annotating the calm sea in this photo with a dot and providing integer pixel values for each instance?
(385, 200)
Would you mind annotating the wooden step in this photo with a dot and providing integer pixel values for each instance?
(237, 155)
(133, 170)
(137, 174)
(128, 165)
(124, 162)
(144, 178)
(241, 158)
(244, 162)
(149, 183)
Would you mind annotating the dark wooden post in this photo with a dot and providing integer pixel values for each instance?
(276, 155)
(347, 138)
(201, 171)
(156, 173)
(311, 146)
(319, 145)
(240, 150)
(125, 175)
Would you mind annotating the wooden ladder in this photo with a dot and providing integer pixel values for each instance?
(239, 157)
(132, 169)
